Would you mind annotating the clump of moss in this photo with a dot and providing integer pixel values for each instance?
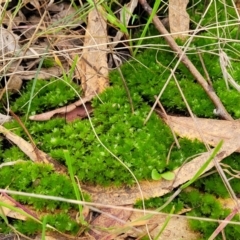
(141, 147)
(206, 205)
(39, 179)
(28, 227)
(46, 95)
(48, 62)
(158, 202)
(61, 221)
(121, 131)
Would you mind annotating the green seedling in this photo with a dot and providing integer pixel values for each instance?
(166, 175)
(67, 77)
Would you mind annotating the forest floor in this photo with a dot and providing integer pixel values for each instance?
(119, 120)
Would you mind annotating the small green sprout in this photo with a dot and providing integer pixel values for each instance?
(166, 175)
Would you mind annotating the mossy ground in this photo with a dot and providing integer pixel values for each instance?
(141, 147)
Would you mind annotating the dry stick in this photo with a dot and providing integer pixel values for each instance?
(204, 68)
(28, 134)
(185, 60)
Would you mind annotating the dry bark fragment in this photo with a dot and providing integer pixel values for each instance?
(178, 18)
(92, 67)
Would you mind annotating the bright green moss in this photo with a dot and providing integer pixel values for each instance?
(49, 94)
(11, 154)
(118, 128)
(203, 205)
(206, 205)
(39, 179)
(120, 131)
(141, 147)
(48, 63)
(29, 227)
(213, 184)
(3, 227)
(63, 223)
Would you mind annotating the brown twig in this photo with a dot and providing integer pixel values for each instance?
(204, 68)
(185, 60)
(27, 132)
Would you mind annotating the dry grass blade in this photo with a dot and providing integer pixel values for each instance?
(104, 222)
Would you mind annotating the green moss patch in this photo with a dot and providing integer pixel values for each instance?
(141, 147)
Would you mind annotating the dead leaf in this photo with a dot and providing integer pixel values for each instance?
(69, 11)
(77, 113)
(8, 42)
(60, 111)
(92, 67)
(210, 131)
(10, 213)
(104, 222)
(31, 151)
(56, 7)
(129, 195)
(46, 238)
(178, 18)
(44, 73)
(228, 203)
(13, 85)
(34, 3)
(54, 235)
(11, 20)
(177, 227)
